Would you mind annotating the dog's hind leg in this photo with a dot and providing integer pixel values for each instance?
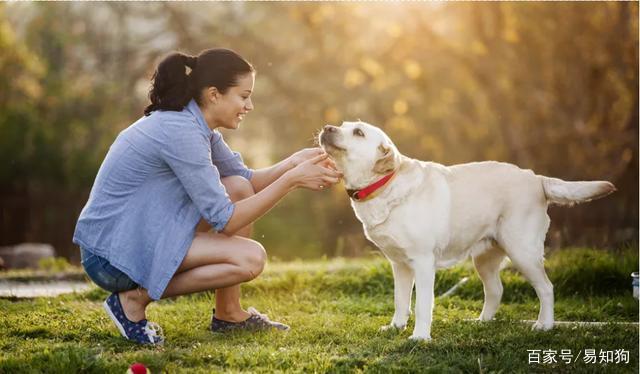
(403, 287)
(533, 271)
(487, 265)
(523, 241)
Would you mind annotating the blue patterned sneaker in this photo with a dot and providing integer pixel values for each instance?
(143, 332)
(256, 322)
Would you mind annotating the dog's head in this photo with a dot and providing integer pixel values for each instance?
(361, 151)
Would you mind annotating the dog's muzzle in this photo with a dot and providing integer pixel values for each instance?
(328, 139)
(325, 138)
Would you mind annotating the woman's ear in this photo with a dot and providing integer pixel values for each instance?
(212, 94)
(387, 161)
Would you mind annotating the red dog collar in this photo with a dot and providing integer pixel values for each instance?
(367, 192)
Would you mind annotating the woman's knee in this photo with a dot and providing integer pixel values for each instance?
(254, 260)
(238, 187)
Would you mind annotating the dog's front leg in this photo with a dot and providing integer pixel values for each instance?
(402, 289)
(425, 273)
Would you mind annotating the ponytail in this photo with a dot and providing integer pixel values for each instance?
(171, 88)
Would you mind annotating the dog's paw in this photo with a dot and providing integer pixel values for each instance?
(392, 327)
(483, 318)
(540, 326)
(420, 337)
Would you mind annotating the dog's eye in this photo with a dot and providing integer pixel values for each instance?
(358, 132)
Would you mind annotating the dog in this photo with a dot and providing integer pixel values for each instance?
(424, 216)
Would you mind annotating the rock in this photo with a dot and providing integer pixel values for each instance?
(25, 255)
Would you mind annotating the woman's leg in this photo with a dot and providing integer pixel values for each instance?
(228, 306)
(214, 261)
(217, 261)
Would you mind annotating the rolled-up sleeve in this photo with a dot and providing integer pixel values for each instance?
(188, 154)
(227, 161)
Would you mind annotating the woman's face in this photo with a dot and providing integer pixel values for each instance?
(228, 109)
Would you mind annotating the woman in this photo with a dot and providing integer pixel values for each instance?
(166, 172)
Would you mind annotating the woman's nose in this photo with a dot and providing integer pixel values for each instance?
(248, 105)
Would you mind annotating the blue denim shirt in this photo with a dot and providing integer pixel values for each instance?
(160, 176)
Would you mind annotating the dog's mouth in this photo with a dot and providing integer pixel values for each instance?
(327, 142)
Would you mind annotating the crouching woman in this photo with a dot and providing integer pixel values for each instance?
(163, 175)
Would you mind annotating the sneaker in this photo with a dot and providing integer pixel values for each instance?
(256, 322)
(143, 332)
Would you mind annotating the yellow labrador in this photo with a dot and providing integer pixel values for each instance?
(424, 216)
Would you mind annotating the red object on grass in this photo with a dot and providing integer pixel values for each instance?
(138, 368)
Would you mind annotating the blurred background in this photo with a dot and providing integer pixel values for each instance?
(548, 86)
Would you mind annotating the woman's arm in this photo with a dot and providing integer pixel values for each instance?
(263, 177)
(309, 174)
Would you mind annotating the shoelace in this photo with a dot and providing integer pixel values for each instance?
(254, 312)
(265, 319)
(153, 330)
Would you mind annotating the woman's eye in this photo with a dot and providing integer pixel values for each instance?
(358, 132)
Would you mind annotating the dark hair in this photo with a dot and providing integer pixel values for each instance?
(172, 87)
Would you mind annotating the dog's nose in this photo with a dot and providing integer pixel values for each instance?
(329, 128)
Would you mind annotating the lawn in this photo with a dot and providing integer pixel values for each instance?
(335, 308)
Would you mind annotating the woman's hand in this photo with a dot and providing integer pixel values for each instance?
(309, 153)
(315, 173)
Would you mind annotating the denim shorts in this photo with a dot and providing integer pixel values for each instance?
(104, 274)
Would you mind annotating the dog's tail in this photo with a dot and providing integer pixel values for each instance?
(562, 192)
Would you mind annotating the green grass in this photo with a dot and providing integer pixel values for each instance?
(335, 308)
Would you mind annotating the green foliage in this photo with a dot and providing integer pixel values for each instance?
(579, 271)
(54, 264)
(573, 271)
(335, 308)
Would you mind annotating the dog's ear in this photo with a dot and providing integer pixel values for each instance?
(387, 162)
